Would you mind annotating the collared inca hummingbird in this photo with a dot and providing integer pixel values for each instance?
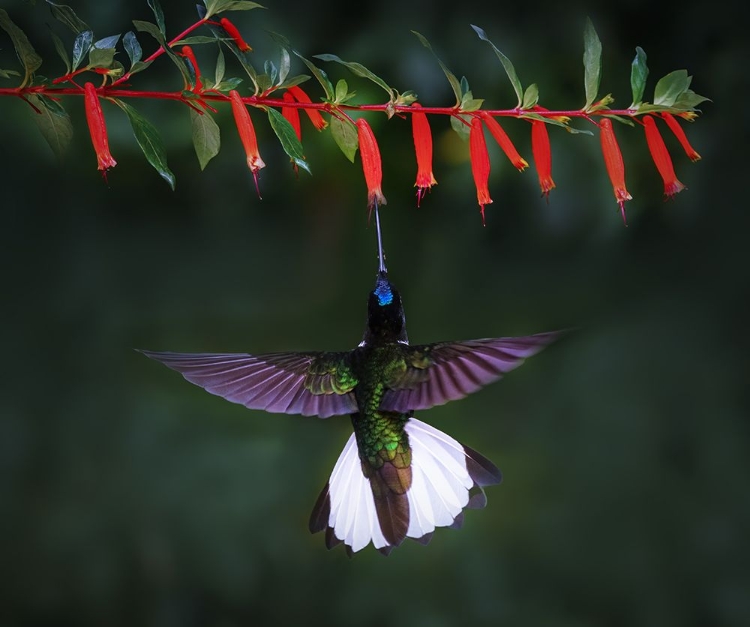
(397, 477)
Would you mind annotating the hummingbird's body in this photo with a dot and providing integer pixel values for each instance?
(397, 477)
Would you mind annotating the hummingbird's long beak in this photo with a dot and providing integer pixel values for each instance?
(381, 255)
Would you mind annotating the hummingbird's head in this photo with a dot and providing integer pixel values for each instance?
(385, 313)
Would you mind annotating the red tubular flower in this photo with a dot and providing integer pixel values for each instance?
(247, 135)
(371, 164)
(674, 125)
(232, 31)
(480, 163)
(291, 114)
(614, 163)
(313, 114)
(501, 137)
(542, 152)
(660, 155)
(423, 149)
(97, 128)
(187, 52)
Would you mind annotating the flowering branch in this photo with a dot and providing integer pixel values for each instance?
(279, 96)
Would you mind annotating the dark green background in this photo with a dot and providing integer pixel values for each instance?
(129, 497)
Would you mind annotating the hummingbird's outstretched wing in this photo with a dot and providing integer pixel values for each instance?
(447, 371)
(311, 384)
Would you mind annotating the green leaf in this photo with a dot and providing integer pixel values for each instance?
(139, 66)
(270, 69)
(153, 30)
(469, 103)
(509, 69)
(689, 100)
(194, 40)
(159, 15)
(670, 87)
(461, 129)
(638, 75)
(81, 46)
(567, 127)
(530, 96)
(53, 122)
(67, 16)
(219, 6)
(342, 91)
(25, 51)
(264, 82)
(288, 138)
(8, 73)
(61, 51)
(132, 47)
(592, 62)
(220, 68)
(102, 53)
(148, 139)
(228, 85)
(101, 57)
(358, 70)
(345, 136)
(317, 72)
(455, 84)
(294, 80)
(284, 65)
(206, 137)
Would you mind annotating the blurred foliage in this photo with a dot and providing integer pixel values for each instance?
(129, 497)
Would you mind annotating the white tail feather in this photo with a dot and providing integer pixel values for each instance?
(439, 490)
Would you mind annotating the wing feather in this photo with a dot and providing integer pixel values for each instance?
(448, 371)
(311, 384)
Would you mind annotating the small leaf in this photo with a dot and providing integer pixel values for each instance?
(270, 69)
(81, 47)
(159, 15)
(132, 47)
(241, 57)
(153, 30)
(193, 40)
(345, 136)
(8, 73)
(471, 104)
(139, 66)
(455, 85)
(25, 51)
(689, 100)
(592, 62)
(264, 83)
(359, 70)
(461, 128)
(342, 91)
(99, 57)
(219, 6)
(53, 122)
(294, 80)
(530, 96)
(148, 139)
(228, 85)
(288, 138)
(638, 75)
(60, 47)
(284, 65)
(220, 68)
(509, 69)
(67, 16)
(670, 87)
(206, 137)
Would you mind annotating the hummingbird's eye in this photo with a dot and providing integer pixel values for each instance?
(384, 293)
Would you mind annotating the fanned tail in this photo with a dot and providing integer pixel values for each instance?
(446, 477)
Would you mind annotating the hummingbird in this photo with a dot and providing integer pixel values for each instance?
(397, 477)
